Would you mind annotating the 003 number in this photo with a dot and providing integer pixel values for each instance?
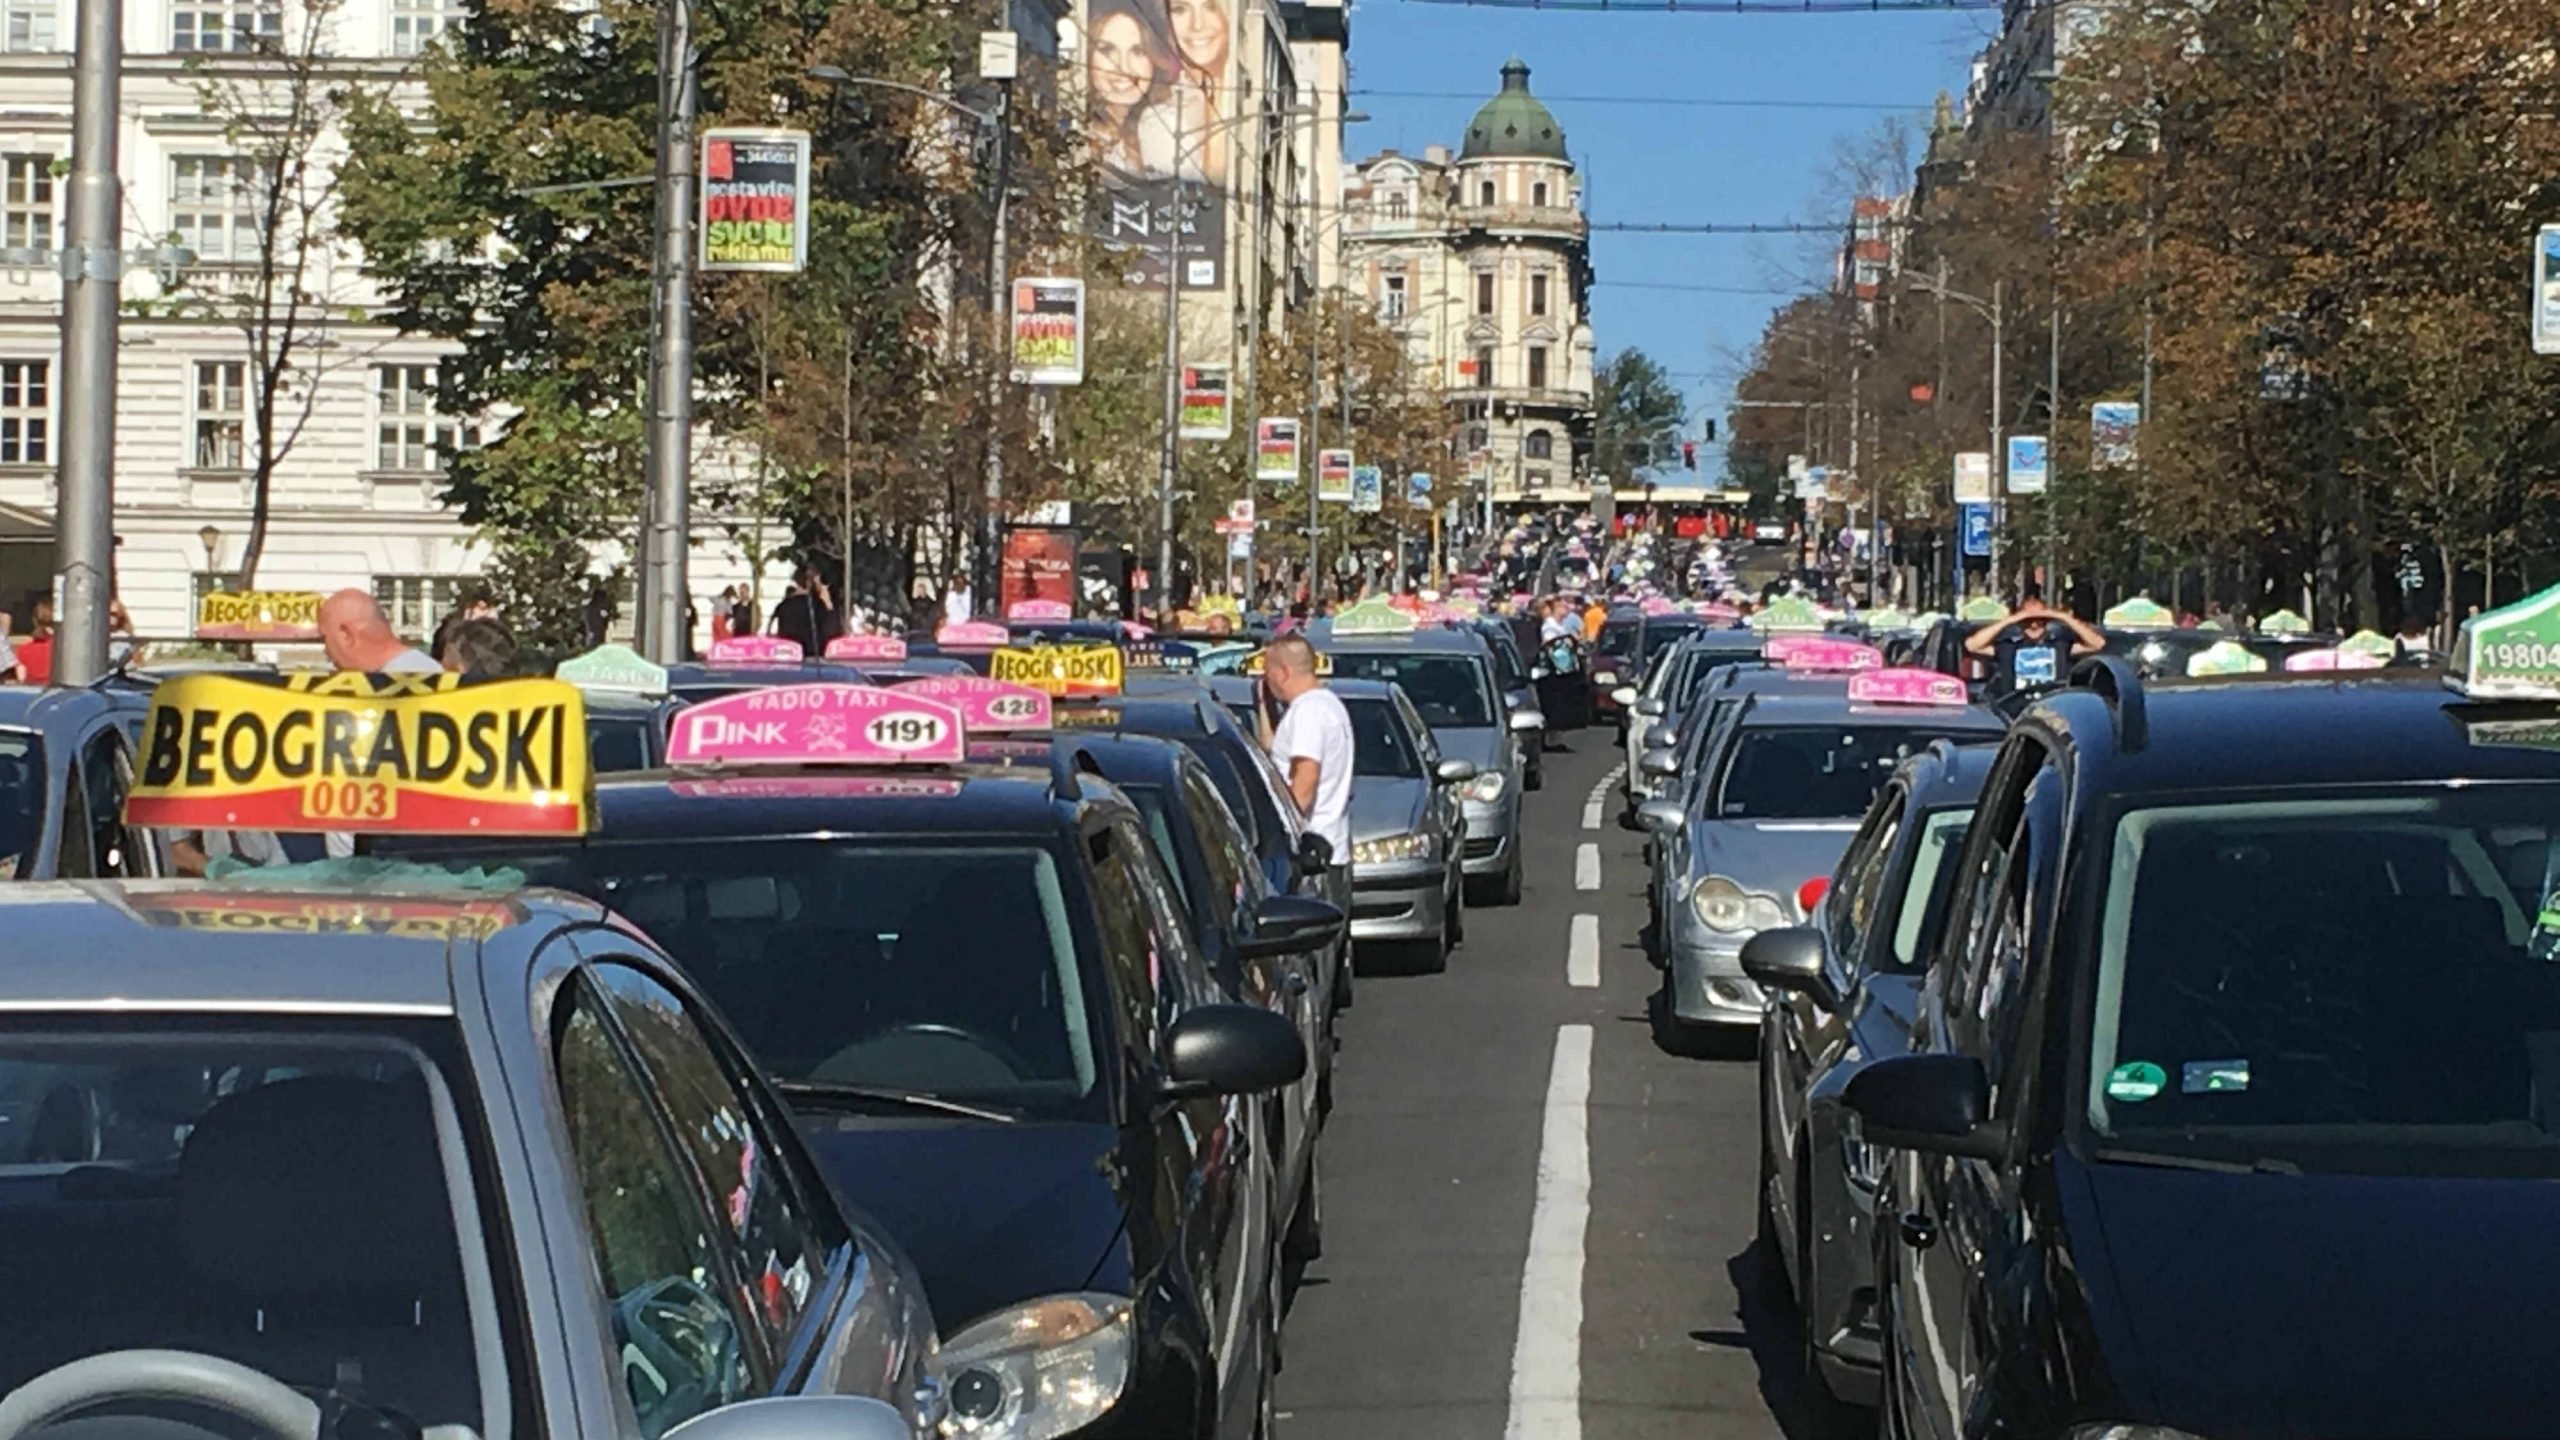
(350, 800)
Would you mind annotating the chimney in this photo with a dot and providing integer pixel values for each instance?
(1436, 154)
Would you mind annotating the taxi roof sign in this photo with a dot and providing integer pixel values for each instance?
(876, 648)
(1787, 612)
(1888, 618)
(1039, 610)
(756, 650)
(1372, 617)
(817, 724)
(2510, 653)
(1812, 656)
(259, 615)
(379, 754)
(2284, 622)
(987, 707)
(1981, 608)
(1258, 661)
(2140, 613)
(2367, 642)
(971, 635)
(1906, 685)
(1061, 670)
(2225, 657)
(613, 667)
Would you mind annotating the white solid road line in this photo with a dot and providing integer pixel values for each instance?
(1599, 798)
(1546, 1360)
(1582, 954)
(1586, 867)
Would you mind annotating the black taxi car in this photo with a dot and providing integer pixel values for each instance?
(2230, 1110)
(975, 986)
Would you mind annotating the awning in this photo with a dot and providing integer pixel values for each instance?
(17, 522)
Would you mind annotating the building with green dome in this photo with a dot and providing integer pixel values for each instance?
(1481, 260)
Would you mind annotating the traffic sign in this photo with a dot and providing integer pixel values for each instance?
(2546, 291)
(2028, 467)
(1976, 524)
(1973, 477)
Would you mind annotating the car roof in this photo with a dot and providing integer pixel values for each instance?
(780, 800)
(186, 945)
(2281, 729)
(1424, 640)
(1767, 710)
(40, 708)
(1948, 774)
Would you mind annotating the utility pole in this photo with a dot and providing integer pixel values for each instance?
(665, 535)
(92, 271)
(1999, 445)
(996, 62)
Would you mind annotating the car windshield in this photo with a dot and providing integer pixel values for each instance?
(283, 1192)
(1808, 772)
(22, 801)
(1449, 690)
(946, 969)
(1924, 895)
(2324, 981)
(1380, 747)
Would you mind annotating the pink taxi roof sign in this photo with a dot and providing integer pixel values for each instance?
(1813, 654)
(820, 724)
(756, 650)
(1039, 610)
(972, 635)
(1777, 648)
(2333, 658)
(987, 707)
(874, 648)
(1905, 685)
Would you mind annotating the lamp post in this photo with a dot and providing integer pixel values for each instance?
(1989, 310)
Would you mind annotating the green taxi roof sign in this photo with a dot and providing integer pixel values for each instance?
(2140, 613)
(1981, 608)
(1888, 619)
(1372, 617)
(2284, 622)
(1787, 612)
(2510, 653)
(2225, 657)
(2367, 642)
(614, 667)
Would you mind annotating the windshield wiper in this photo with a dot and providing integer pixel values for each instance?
(830, 1094)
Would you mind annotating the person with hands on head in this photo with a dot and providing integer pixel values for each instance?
(2025, 647)
(1312, 740)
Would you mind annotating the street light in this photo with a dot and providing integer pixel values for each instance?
(1988, 310)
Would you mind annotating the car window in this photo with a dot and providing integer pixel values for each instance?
(1850, 910)
(106, 773)
(1234, 880)
(1132, 945)
(22, 801)
(1926, 890)
(1242, 772)
(1449, 690)
(1418, 731)
(73, 859)
(618, 742)
(1618, 637)
(678, 1319)
(779, 1231)
(1811, 771)
(1380, 746)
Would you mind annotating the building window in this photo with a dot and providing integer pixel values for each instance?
(1477, 439)
(416, 604)
(1540, 445)
(410, 437)
(1398, 206)
(213, 206)
(416, 23)
(221, 414)
(1538, 194)
(1538, 294)
(1392, 298)
(1484, 366)
(1484, 194)
(26, 25)
(26, 201)
(1484, 292)
(1537, 367)
(226, 24)
(26, 412)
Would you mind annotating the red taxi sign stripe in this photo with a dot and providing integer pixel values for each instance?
(867, 647)
(756, 650)
(1905, 685)
(819, 724)
(987, 707)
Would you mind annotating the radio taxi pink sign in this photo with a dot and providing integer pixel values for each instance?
(756, 650)
(1809, 652)
(1905, 686)
(867, 647)
(987, 707)
(1039, 610)
(817, 725)
(972, 635)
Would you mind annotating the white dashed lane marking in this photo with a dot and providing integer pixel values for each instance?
(1586, 867)
(1582, 954)
(1599, 799)
(1546, 1359)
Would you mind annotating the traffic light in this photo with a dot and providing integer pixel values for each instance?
(1689, 454)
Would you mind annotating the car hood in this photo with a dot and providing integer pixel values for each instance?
(991, 1213)
(2258, 1305)
(1480, 747)
(1386, 807)
(1775, 857)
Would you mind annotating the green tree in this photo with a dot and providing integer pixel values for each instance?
(1638, 415)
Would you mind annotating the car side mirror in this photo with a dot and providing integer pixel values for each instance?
(1315, 854)
(1935, 1104)
(1792, 959)
(1523, 721)
(1230, 1050)
(797, 1417)
(1648, 706)
(1627, 695)
(1455, 772)
(1662, 817)
(1290, 924)
(1660, 736)
(1659, 765)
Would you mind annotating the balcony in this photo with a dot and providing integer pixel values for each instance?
(1547, 398)
(1548, 221)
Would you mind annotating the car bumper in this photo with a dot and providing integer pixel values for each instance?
(1707, 983)
(1487, 849)
(1399, 902)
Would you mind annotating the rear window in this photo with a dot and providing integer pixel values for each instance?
(1809, 772)
(617, 742)
(22, 792)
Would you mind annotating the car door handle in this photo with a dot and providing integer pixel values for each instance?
(1919, 1231)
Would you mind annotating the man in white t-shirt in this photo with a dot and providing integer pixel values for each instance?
(1312, 741)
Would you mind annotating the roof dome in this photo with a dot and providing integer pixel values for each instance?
(1513, 124)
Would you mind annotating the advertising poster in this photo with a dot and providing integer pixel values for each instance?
(1048, 332)
(1417, 491)
(755, 200)
(1039, 564)
(1973, 477)
(2114, 430)
(1368, 489)
(2029, 464)
(1160, 83)
(1333, 474)
(1275, 450)
(1207, 410)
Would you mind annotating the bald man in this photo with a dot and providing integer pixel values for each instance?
(358, 637)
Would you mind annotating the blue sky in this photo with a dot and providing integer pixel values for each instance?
(1688, 163)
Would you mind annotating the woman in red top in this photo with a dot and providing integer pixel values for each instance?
(35, 658)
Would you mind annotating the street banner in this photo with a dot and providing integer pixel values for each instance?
(1039, 566)
(1976, 523)
(2546, 291)
(2115, 428)
(1973, 477)
(1207, 410)
(1240, 545)
(1368, 489)
(1048, 331)
(755, 200)
(1417, 491)
(1275, 450)
(1161, 95)
(311, 750)
(259, 615)
(2029, 464)
(1241, 512)
(1333, 475)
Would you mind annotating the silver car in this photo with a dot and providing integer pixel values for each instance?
(1655, 715)
(479, 1162)
(1775, 800)
(1448, 675)
(1408, 829)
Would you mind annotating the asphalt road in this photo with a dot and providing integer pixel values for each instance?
(1539, 1224)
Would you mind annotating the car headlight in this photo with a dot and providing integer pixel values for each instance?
(1724, 906)
(1040, 1369)
(1487, 787)
(1387, 849)
(1605, 677)
(2125, 1430)
(1764, 912)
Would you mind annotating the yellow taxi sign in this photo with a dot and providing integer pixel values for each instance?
(1253, 663)
(255, 914)
(259, 615)
(377, 754)
(1060, 670)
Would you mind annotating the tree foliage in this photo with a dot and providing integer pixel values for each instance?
(1638, 414)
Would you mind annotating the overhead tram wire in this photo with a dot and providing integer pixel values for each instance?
(1743, 7)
